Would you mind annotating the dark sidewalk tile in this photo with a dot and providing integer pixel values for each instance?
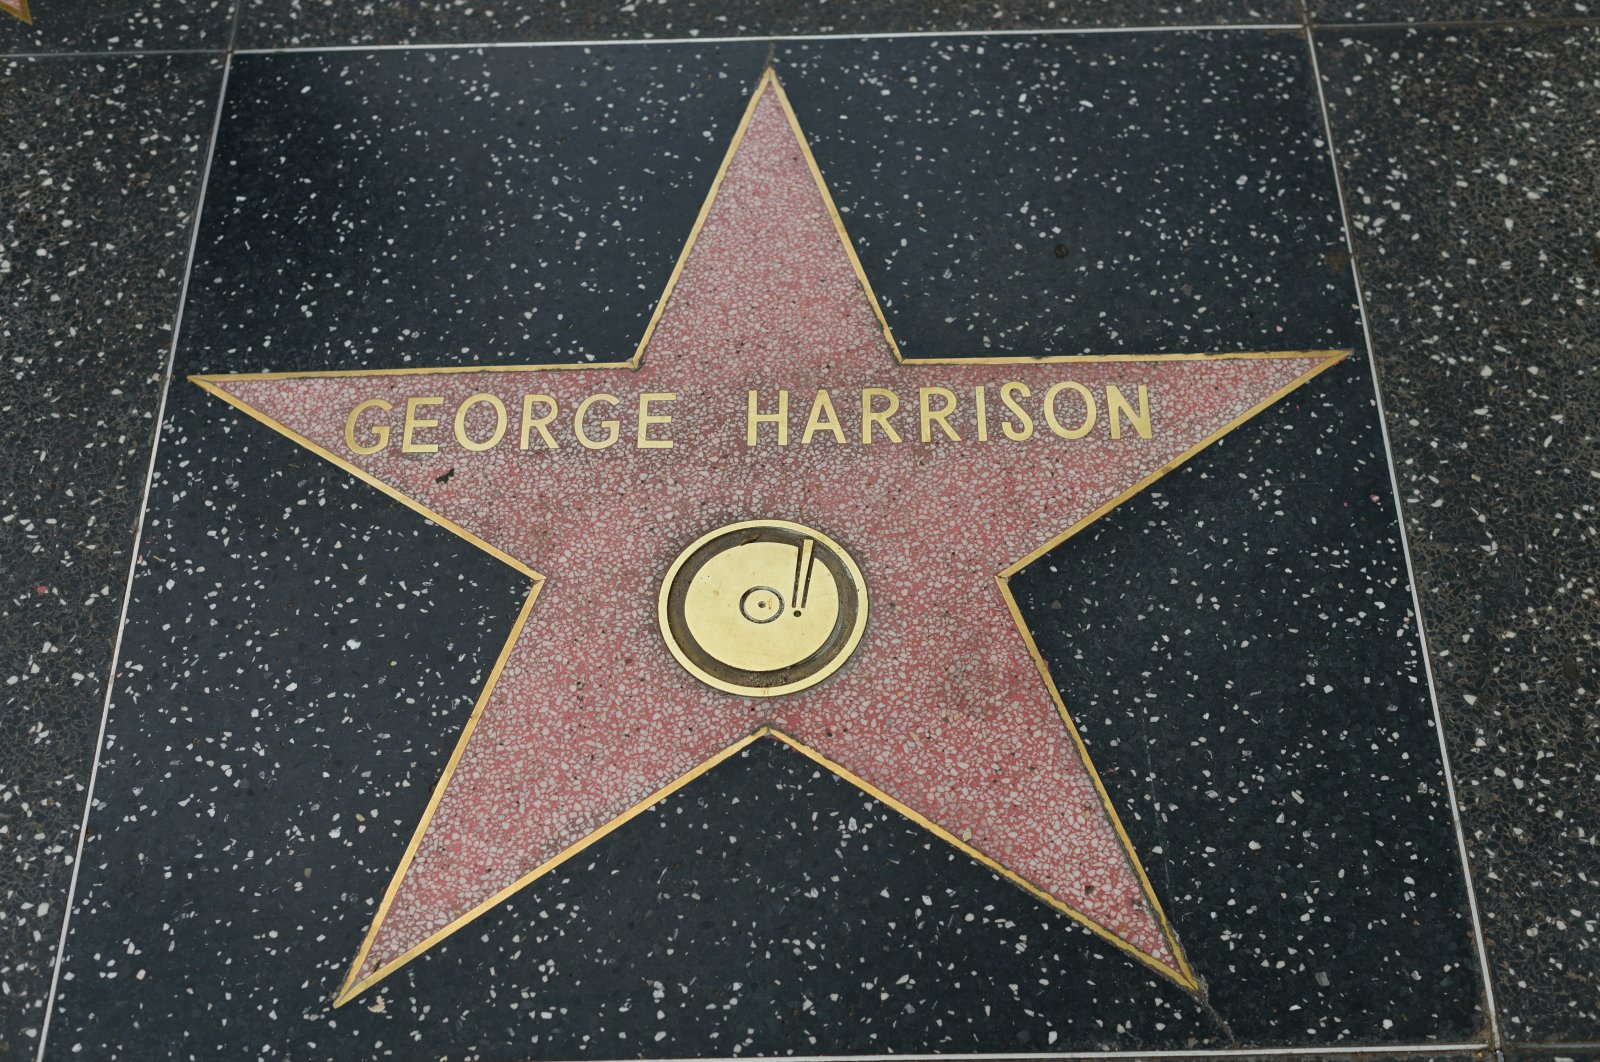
(1190, 257)
(1097, 182)
(100, 160)
(265, 23)
(1469, 160)
(1368, 11)
(1588, 1052)
(123, 26)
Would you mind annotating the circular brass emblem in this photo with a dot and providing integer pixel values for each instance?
(763, 607)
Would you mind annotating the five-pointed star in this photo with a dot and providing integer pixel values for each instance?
(945, 710)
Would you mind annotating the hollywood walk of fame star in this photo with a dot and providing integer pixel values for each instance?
(594, 479)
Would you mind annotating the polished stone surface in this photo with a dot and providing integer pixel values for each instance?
(1116, 194)
(1470, 161)
(266, 24)
(1337, 14)
(98, 176)
(1209, 241)
(123, 26)
(573, 172)
(1413, 114)
(303, 654)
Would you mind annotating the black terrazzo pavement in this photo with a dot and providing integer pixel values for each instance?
(1238, 648)
(972, 157)
(118, 26)
(269, 24)
(302, 650)
(1117, 194)
(1470, 160)
(1335, 14)
(100, 165)
(1533, 842)
(494, 206)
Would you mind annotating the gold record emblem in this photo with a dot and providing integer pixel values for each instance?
(763, 607)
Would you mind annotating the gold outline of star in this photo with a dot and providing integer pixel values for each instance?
(1184, 975)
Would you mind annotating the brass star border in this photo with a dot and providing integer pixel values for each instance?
(1183, 975)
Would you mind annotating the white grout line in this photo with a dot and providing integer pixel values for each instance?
(1405, 546)
(115, 53)
(233, 25)
(759, 38)
(133, 566)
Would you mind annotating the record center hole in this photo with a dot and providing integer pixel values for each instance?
(761, 604)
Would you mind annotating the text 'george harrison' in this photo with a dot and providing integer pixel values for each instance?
(1010, 412)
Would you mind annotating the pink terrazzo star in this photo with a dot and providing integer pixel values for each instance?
(944, 710)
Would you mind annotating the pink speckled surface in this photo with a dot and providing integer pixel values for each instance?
(941, 707)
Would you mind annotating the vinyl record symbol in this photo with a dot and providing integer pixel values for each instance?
(763, 607)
